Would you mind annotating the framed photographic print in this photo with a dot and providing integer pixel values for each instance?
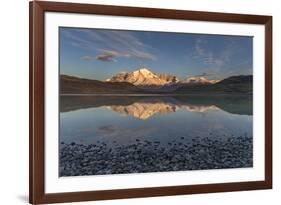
(139, 102)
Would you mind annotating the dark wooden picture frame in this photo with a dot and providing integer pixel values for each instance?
(37, 193)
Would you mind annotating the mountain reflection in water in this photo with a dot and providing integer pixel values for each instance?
(145, 107)
(144, 111)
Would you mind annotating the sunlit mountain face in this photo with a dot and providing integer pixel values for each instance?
(145, 77)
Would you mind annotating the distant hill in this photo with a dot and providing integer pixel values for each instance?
(242, 84)
(75, 85)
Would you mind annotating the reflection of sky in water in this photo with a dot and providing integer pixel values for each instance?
(105, 125)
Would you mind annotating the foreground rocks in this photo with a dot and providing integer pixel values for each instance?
(151, 156)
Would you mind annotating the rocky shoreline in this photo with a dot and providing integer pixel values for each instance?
(151, 156)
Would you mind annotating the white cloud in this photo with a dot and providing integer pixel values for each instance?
(203, 53)
(110, 44)
(87, 58)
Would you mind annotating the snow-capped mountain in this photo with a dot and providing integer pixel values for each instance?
(198, 80)
(144, 77)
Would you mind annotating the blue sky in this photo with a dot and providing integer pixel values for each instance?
(100, 54)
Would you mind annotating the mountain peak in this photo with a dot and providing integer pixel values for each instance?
(144, 77)
(144, 70)
(198, 80)
(146, 73)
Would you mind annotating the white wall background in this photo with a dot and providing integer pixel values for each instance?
(14, 100)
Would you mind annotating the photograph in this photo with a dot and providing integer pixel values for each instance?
(147, 101)
(132, 102)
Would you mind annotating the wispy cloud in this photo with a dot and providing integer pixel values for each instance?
(87, 58)
(203, 75)
(210, 74)
(203, 53)
(109, 44)
(105, 58)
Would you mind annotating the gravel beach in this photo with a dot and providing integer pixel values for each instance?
(151, 156)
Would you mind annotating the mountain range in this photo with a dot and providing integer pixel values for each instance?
(144, 81)
(146, 78)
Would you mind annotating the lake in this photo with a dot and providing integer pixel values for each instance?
(136, 134)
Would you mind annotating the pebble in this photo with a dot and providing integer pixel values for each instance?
(197, 154)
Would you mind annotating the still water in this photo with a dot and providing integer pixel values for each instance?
(122, 120)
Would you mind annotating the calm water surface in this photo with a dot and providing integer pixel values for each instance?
(123, 120)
